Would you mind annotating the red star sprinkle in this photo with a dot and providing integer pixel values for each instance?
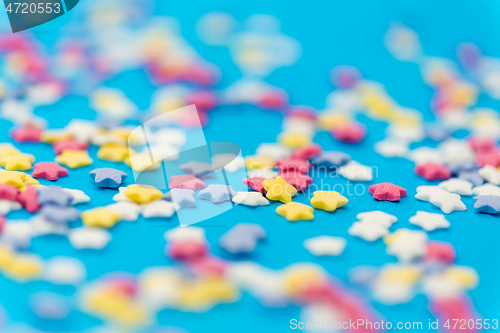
(29, 199)
(308, 152)
(59, 146)
(48, 170)
(296, 179)
(489, 157)
(432, 171)
(351, 132)
(387, 192)
(440, 252)
(187, 250)
(8, 192)
(272, 100)
(296, 164)
(482, 144)
(188, 182)
(27, 133)
(2, 222)
(303, 112)
(255, 184)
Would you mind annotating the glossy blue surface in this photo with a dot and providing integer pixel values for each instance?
(331, 33)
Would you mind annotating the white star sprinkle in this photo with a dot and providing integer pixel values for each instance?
(490, 174)
(158, 208)
(78, 196)
(391, 148)
(267, 173)
(273, 150)
(406, 244)
(185, 233)
(89, 238)
(486, 189)
(325, 245)
(448, 202)
(378, 217)
(458, 186)
(250, 199)
(368, 231)
(7, 206)
(429, 221)
(356, 171)
(128, 211)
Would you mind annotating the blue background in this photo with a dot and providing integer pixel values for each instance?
(331, 33)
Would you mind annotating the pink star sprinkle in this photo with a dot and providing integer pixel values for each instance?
(59, 146)
(308, 152)
(295, 164)
(2, 222)
(187, 250)
(188, 182)
(48, 170)
(29, 199)
(440, 252)
(351, 132)
(482, 144)
(255, 184)
(8, 192)
(296, 179)
(272, 100)
(387, 192)
(488, 157)
(432, 171)
(27, 133)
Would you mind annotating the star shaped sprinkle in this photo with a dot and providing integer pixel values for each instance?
(9, 192)
(429, 221)
(250, 199)
(424, 155)
(230, 162)
(488, 158)
(367, 230)
(295, 211)
(255, 184)
(425, 193)
(325, 245)
(258, 162)
(107, 177)
(17, 161)
(180, 234)
(53, 196)
(128, 211)
(29, 199)
(391, 148)
(458, 186)
(356, 171)
(142, 193)
(74, 158)
(331, 160)
(298, 180)
(273, 150)
(279, 190)
(48, 170)
(183, 198)
(59, 214)
(472, 176)
(457, 168)
(349, 132)
(266, 173)
(486, 189)
(433, 171)
(17, 179)
(307, 152)
(7, 206)
(242, 238)
(490, 174)
(89, 238)
(328, 200)
(60, 146)
(377, 217)
(115, 152)
(158, 208)
(188, 182)
(77, 196)
(217, 193)
(197, 168)
(100, 218)
(387, 192)
(27, 133)
(489, 204)
(293, 164)
(406, 244)
(448, 202)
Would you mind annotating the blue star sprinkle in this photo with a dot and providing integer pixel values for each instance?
(54, 196)
(437, 132)
(108, 177)
(197, 168)
(471, 176)
(242, 238)
(489, 204)
(332, 159)
(217, 193)
(59, 214)
(183, 198)
(459, 167)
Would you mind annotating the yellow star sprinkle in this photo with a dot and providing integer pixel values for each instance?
(401, 273)
(100, 217)
(74, 158)
(115, 152)
(141, 162)
(295, 140)
(53, 136)
(332, 119)
(328, 200)
(7, 148)
(300, 278)
(17, 179)
(466, 277)
(24, 267)
(115, 305)
(142, 193)
(17, 161)
(257, 162)
(295, 211)
(279, 190)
